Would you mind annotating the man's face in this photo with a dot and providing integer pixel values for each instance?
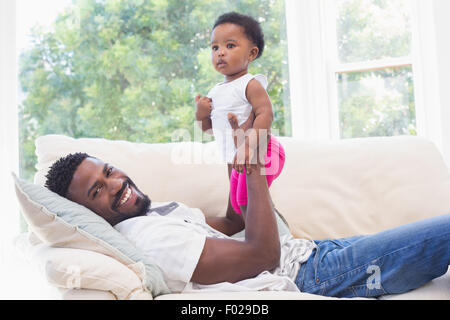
(107, 191)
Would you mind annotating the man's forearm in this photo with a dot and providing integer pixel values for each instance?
(260, 222)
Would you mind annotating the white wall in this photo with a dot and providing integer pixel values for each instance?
(9, 153)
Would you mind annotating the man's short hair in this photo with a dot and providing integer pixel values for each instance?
(252, 28)
(61, 172)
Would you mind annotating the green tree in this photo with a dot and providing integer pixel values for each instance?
(373, 29)
(128, 70)
(364, 112)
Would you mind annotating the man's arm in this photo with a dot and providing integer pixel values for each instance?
(232, 260)
(232, 222)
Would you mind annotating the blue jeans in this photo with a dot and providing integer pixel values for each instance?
(389, 262)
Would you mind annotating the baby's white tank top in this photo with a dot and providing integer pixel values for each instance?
(230, 97)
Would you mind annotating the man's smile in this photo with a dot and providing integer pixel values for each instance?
(125, 197)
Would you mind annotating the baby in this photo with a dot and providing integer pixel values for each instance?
(242, 100)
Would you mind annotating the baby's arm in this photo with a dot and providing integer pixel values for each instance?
(203, 113)
(261, 105)
(262, 109)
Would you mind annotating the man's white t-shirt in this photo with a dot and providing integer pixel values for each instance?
(173, 235)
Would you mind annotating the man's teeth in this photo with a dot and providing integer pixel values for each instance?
(127, 195)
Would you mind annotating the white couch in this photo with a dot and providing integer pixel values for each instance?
(328, 189)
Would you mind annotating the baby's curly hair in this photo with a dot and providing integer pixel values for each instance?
(61, 172)
(252, 28)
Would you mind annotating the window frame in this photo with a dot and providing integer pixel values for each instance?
(314, 104)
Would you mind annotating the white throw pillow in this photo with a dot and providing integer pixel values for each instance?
(83, 269)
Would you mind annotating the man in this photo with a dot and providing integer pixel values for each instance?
(195, 252)
(112, 194)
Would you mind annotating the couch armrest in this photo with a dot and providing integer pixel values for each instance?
(85, 294)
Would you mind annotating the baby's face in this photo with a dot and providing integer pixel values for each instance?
(231, 50)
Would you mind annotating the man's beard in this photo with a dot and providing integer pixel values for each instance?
(143, 204)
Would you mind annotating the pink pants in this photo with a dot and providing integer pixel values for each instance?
(274, 162)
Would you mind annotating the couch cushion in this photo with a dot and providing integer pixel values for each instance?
(187, 172)
(62, 223)
(254, 295)
(328, 189)
(343, 188)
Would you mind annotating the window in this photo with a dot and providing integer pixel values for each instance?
(355, 64)
(373, 67)
(129, 70)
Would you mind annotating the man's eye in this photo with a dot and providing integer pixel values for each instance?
(97, 191)
(108, 173)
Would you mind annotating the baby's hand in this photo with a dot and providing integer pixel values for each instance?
(204, 108)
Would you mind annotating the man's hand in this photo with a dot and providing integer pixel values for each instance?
(244, 159)
(204, 107)
(245, 155)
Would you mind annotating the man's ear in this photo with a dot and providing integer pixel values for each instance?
(253, 53)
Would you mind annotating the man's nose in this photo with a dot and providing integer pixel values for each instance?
(115, 184)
